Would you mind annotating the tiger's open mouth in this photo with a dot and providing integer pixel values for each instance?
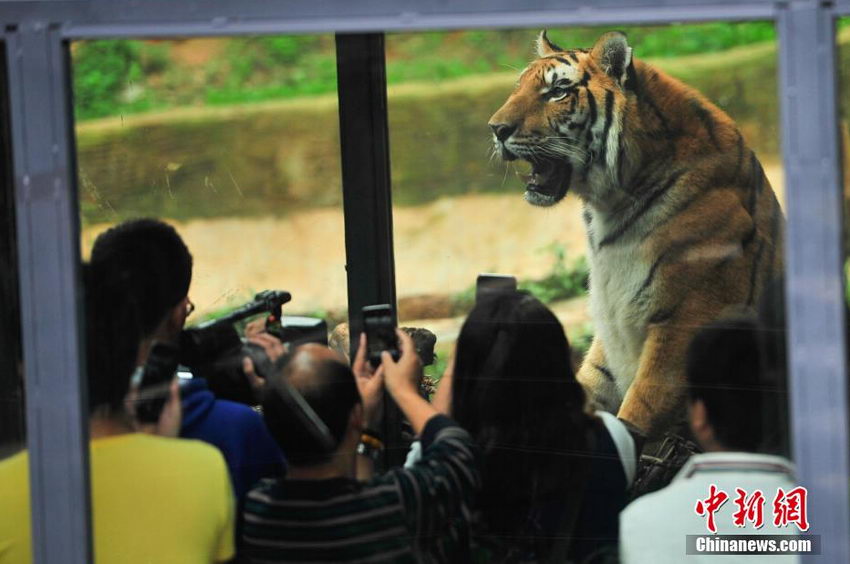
(548, 182)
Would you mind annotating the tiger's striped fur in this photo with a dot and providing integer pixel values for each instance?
(681, 220)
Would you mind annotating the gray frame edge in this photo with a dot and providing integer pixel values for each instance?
(102, 18)
(814, 270)
(420, 22)
(48, 247)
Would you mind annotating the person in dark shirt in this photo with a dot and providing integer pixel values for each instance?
(329, 507)
(554, 477)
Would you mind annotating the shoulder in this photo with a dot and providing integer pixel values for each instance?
(14, 476)
(623, 443)
(647, 505)
(238, 410)
(266, 490)
(188, 453)
(16, 464)
(237, 415)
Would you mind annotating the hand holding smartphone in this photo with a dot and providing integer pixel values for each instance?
(380, 332)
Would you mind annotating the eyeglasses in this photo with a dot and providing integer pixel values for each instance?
(190, 307)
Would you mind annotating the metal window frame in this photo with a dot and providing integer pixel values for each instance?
(367, 194)
(35, 32)
(48, 262)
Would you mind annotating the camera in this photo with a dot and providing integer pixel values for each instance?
(214, 350)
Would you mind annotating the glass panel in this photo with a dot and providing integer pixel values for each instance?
(458, 207)
(235, 142)
(12, 409)
(655, 217)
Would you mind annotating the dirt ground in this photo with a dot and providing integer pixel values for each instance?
(439, 249)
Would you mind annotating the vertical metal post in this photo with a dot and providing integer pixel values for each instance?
(366, 190)
(814, 293)
(48, 251)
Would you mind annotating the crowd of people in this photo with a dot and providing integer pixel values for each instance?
(510, 464)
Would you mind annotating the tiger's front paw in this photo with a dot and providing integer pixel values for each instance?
(602, 394)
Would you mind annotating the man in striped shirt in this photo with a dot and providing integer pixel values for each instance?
(320, 512)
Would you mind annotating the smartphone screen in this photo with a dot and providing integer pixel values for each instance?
(157, 374)
(380, 332)
(488, 283)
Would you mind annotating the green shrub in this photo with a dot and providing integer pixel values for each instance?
(580, 338)
(102, 71)
(563, 282)
(252, 69)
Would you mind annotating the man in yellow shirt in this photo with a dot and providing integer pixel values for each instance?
(155, 499)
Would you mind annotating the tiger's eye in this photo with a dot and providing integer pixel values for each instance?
(558, 92)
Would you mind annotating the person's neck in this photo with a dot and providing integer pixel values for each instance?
(160, 336)
(104, 425)
(341, 464)
(713, 445)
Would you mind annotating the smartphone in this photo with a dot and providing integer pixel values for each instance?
(156, 377)
(494, 283)
(380, 332)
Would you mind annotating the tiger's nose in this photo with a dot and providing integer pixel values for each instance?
(502, 130)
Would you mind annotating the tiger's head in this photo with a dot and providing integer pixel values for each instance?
(565, 117)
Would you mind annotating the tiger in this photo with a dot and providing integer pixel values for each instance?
(682, 223)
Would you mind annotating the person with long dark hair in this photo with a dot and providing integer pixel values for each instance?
(554, 475)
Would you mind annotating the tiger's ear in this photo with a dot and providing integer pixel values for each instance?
(613, 54)
(544, 46)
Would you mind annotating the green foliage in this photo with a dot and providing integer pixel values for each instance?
(122, 76)
(103, 70)
(464, 301)
(580, 338)
(264, 68)
(435, 370)
(566, 280)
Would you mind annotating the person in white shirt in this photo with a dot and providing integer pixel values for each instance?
(727, 404)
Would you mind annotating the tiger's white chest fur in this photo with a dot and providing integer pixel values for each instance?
(616, 276)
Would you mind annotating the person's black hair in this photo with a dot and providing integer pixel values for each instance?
(329, 388)
(112, 336)
(725, 370)
(151, 260)
(514, 390)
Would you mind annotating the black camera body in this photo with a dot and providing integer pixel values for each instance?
(214, 350)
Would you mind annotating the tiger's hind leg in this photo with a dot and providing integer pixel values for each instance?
(598, 380)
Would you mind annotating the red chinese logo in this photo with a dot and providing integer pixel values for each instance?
(788, 507)
(749, 508)
(710, 505)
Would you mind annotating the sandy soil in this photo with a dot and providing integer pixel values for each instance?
(439, 247)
